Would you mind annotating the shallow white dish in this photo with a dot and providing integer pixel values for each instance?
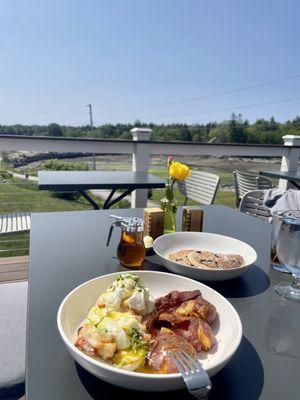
(74, 308)
(166, 244)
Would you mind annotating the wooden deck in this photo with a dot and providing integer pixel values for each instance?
(14, 269)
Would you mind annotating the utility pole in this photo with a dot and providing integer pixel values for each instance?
(91, 115)
(92, 127)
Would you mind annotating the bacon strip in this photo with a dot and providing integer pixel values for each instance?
(182, 304)
(199, 308)
(174, 299)
(165, 342)
(196, 331)
(187, 315)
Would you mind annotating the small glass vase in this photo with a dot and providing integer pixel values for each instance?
(169, 205)
(170, 219)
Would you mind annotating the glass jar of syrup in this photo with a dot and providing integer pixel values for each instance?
(131, 250)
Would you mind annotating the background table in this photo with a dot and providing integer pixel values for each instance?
(81, 181)
(67, 249)
(292, 177)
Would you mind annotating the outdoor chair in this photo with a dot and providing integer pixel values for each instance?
(14, 223)
(200, 187)
(244, 182)
(13, 307)
(252, 204)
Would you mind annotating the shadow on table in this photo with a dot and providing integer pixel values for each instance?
(242, 378)
(251, 283)
(99, 389)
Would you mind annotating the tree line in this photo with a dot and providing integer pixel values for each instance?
(235, 130)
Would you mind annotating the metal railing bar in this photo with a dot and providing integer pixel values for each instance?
(18, 202)
(14, 240)
(9, 250)
(29, 194)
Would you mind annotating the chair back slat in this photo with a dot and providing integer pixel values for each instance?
(14, 223)
(252, 204)
(200, 187)
(245, 182)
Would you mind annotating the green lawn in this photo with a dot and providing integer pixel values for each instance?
(226, 198)
(14, 245)
(20, 195)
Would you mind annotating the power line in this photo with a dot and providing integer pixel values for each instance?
(226, 109)
(190, 100)
(194, 99)
(217, 94)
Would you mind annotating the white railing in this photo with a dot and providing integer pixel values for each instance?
(141, 147)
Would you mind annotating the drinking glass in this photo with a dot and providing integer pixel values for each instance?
(276, 221)
(288, 252)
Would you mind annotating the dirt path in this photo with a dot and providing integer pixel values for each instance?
(22, 176)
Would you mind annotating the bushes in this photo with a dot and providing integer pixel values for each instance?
(4, 174)
(57, 165)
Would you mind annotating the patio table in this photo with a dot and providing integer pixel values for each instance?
(292, 177)
(68, 248)
(81, 181)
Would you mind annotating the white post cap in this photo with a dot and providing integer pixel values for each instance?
(291, 140)
(141, 133)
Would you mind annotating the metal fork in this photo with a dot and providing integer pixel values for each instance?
(195, 377)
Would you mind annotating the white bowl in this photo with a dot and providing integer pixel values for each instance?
(172, 242)
(74, 308)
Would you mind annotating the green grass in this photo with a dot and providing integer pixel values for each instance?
(226, 198)
(16, 244)
(21, 195)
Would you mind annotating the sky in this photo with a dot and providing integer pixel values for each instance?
(159, 61)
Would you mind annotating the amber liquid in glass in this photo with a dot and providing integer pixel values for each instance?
(131, 250)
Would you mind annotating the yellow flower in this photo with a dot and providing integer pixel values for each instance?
(178, 171)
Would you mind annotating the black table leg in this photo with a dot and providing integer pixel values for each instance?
(89, 199)
(109, 203)
(106, 205)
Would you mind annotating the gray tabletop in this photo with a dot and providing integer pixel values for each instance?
(67, 249)
(84, 180)
(290, 176)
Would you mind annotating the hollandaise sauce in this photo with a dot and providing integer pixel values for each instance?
(146, 369)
